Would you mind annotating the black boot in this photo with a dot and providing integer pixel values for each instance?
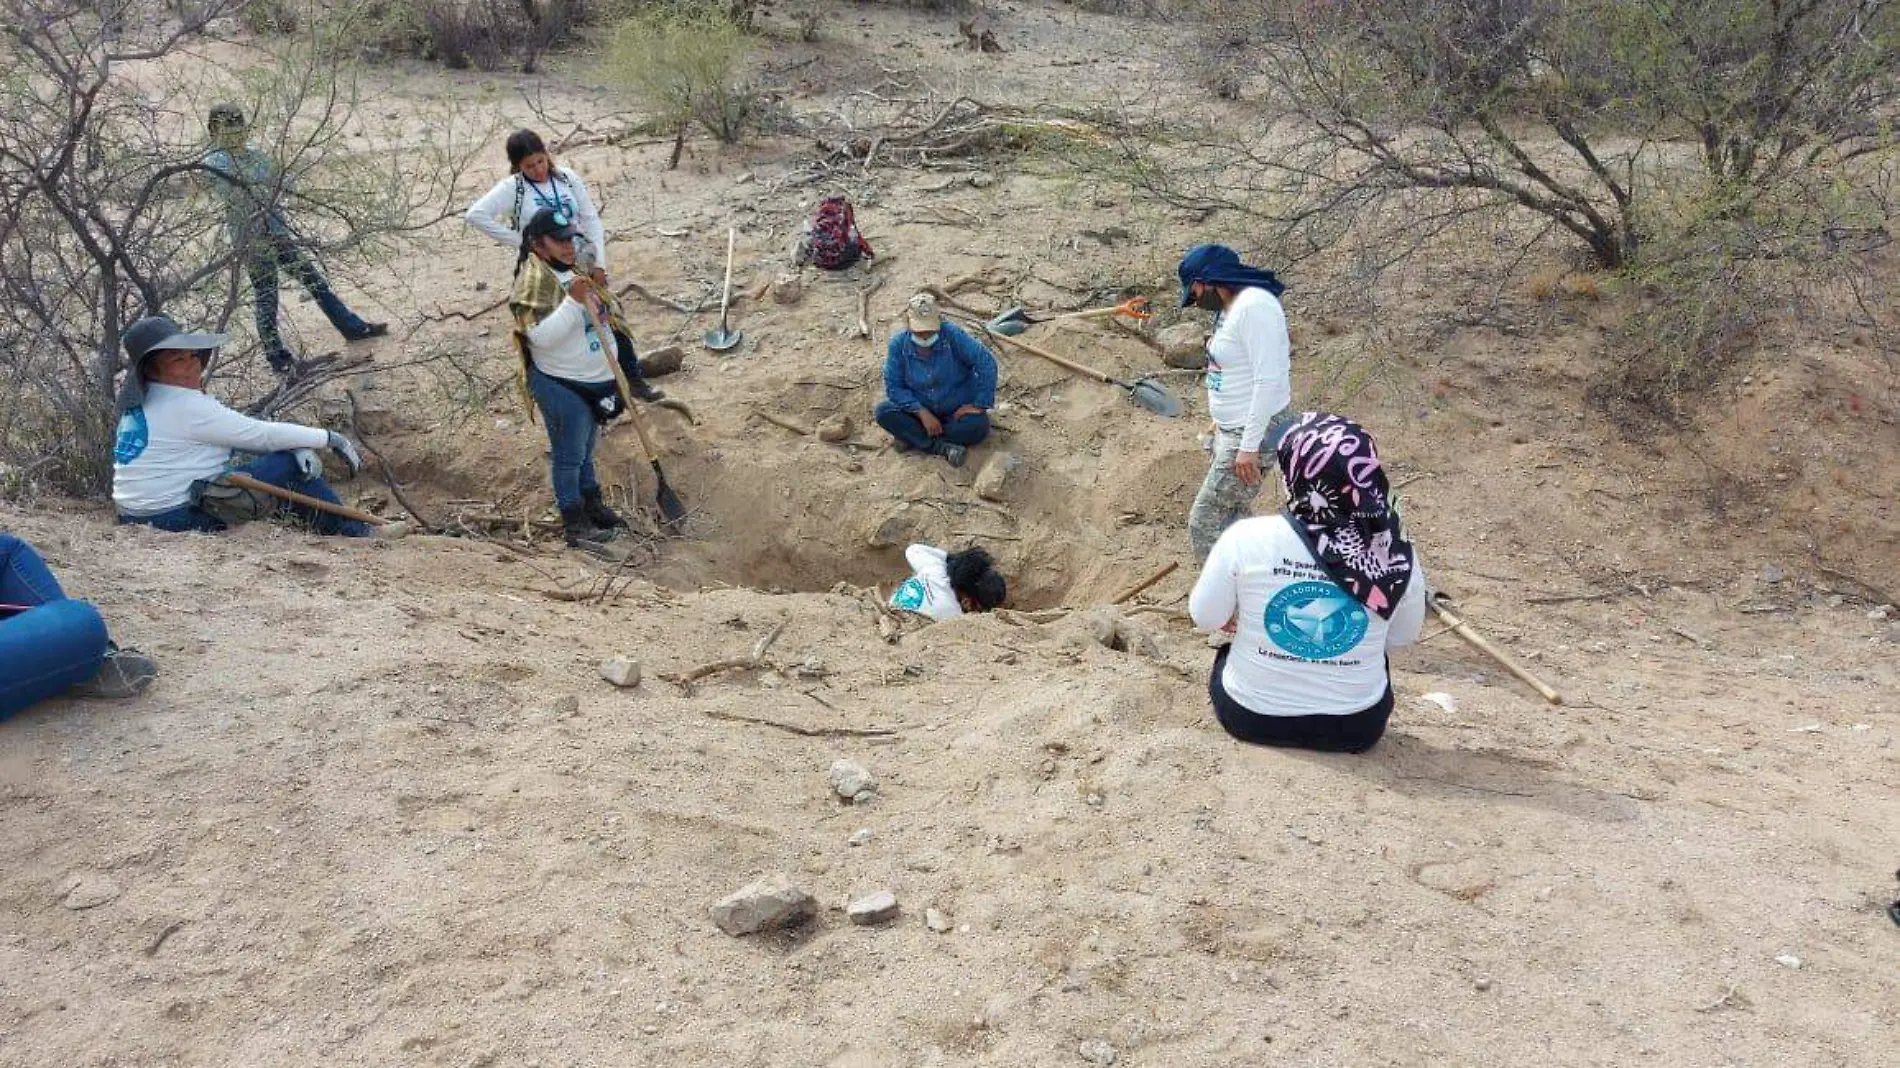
(581, 531)
(598, 512)
(644, 391)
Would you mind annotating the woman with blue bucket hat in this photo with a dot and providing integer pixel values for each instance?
(1249, 383)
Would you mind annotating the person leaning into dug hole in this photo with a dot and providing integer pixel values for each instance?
(564, 370)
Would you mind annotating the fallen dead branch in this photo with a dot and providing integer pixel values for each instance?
(780, 421)
(754, 659)
(382, 464)
(803, 732)
(665, 302)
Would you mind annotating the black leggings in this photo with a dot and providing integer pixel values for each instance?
(1355, 733)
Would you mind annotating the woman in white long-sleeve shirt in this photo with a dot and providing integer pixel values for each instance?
(535, 182)
(1314, 597)
(1249, 383)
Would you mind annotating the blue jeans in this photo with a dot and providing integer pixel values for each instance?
(54, 644)
(572, 435)
(279, 469)
(908, 429)
(280, 251)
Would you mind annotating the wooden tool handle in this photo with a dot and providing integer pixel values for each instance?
(620, 382)
(244, 481)
(1129, 593)
(1059, 361)
(1463, 630)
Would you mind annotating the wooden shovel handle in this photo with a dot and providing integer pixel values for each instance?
(1463, 630)
(244, 481)
(1059, 361)
(620, 382)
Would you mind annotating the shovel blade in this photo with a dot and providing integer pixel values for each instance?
(672, 510)
(1154, 397)
(723, 340)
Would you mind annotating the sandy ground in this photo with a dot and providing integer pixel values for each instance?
(380, 809)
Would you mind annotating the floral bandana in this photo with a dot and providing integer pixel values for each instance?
(1341, 505)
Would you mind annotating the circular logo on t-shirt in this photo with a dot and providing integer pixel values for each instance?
(910, 595)
(1315, 620)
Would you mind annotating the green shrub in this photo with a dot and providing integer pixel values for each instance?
(683, 61)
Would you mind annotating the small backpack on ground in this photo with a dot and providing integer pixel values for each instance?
(832, 240)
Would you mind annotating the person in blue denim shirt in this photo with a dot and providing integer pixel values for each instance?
(939, 385)
(251, 187)
(51, 644)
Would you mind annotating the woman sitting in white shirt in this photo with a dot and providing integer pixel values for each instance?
(943, 584)
(1314, 597)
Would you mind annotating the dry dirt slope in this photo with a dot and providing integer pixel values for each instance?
(360, 822)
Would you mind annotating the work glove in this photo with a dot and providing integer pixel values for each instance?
(343, 447)
(309, 463)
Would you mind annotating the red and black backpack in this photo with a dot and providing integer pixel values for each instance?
(832, 240)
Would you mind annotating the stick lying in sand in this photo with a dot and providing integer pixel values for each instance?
(1464, 631)
(756, 658)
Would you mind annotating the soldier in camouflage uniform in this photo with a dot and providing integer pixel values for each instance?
(252, 187)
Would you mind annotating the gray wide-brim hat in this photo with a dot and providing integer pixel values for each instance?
(155, 333)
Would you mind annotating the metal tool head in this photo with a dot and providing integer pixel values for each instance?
(1010, 323)
(1155, 397)
(722, 338)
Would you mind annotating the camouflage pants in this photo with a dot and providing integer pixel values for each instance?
(1224, 499)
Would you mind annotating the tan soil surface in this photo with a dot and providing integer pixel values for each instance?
(380, 809)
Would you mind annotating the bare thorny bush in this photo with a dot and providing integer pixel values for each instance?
(106, 212)
(1715, 156)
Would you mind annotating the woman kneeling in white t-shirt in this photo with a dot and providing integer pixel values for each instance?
(943, 585)
(1314, 595)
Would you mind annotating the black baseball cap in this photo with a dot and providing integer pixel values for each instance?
(549, 222)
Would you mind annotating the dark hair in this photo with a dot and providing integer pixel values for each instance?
(521, 145)
(972, 575)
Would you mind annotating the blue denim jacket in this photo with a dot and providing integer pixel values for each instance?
(956, 371)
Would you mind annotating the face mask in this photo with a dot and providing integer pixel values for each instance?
(1209, 300)
(924, 341)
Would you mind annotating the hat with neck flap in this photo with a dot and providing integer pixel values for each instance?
(147, 337)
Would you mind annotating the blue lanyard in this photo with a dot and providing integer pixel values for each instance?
(557, 202)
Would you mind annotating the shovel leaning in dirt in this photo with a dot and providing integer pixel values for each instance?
(1146, 392)
(672, 511)
(725, 337)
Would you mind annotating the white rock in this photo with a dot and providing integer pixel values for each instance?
(89, 892)
(621, 672)
(880, 907)
(851, 782)
(993, 482)
(767, 904)
(1789, 960)
(1096, 1051)
(937, 921)
(1442, 700)
(1884, 611)
(859, 837)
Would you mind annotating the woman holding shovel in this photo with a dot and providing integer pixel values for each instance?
(564, 369)
(1314, 596)
(1249, 382)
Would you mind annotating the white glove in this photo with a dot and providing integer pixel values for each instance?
(343, 447)
(309, 463)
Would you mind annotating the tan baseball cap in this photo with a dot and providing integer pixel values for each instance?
(921, 314)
